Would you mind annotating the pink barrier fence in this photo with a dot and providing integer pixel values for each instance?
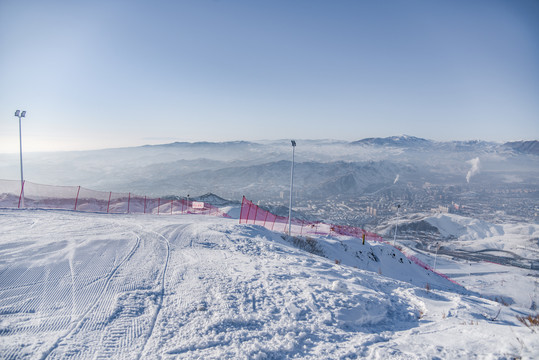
(427, 267)
(77, 198)
(252, 214)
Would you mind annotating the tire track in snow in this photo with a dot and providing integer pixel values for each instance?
(162, 295)
(72, 272)
(80, 321)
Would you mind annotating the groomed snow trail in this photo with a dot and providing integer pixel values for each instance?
(105, 304)
(95, 286)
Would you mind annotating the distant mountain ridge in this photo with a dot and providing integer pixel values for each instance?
(526, 147)
(401, 141)
(201, 144)
(324, 168)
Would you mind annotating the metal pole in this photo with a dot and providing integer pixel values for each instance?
(436, 255)
(21, 114)
(291, 190)
(397, 224)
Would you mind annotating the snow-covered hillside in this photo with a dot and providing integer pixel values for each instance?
(477, 235)
(465, 236)
(76, 285)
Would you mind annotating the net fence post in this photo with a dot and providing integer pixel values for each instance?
(20, 195)
(248, 212)
(241, 209)
(77, 199)
(256, 213)
(128, 202)
(108, 205)
(265, 218)
(158, 205)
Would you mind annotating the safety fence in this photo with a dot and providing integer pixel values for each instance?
(77, 198)
(253, 214)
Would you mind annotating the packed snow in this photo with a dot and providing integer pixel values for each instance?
(79, 285)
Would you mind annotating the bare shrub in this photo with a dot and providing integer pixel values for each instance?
(308, 244)
(530, 321)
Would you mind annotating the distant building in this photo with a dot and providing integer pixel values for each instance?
(440, 210)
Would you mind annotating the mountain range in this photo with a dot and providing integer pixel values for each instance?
(324, 168)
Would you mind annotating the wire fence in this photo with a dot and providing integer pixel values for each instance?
(77, 198)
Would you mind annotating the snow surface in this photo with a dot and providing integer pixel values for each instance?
(478, 235)
(78, 285)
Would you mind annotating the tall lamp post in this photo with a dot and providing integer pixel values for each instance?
(396, 225)
(21, 114)
(436, 255)
(291, 189)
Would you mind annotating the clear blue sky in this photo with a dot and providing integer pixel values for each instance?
(95, 74)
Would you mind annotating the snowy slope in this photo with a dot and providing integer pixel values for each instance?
(478, 235)
(76, 285)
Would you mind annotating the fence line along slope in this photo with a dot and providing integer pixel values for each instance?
(77, 198)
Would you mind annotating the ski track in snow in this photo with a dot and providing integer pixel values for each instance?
(162, 294)
(94, 286)
(99, 298)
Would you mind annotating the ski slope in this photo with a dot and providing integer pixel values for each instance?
(95, 286)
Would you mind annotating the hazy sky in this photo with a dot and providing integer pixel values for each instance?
(95, 74)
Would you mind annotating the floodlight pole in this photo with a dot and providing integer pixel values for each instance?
(396, 225)
(291, 189)
(436, 255)
(21, 114)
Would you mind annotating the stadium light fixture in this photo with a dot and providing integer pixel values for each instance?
(21, 114)
(291, 189)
